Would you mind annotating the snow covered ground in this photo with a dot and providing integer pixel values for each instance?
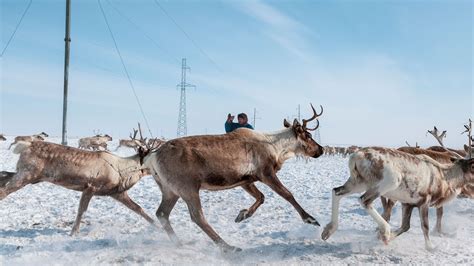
(35, 223)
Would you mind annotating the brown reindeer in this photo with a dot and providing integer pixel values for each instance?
(133, 142)
(38, 137)
(416, 181)
(156, 142)
(93, 173)
(95, 143)
(184, 166)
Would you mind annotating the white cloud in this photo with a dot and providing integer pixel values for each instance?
(281, 28)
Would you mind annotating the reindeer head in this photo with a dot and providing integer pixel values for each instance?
(467, 166)
(143, 147)
(109, 138)
(38, 137)
(305, 143)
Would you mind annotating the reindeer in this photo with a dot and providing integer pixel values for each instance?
(94, 142)
(133, 142)
(156, 142)
(416, 181)
(38, 137)
(2, 138)
(328, 150)
(184, 166)
(350, 150)
(94, 173)
(441, 157)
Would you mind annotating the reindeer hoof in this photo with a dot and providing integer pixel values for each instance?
(430, 247)
(385, 236)
(243, 214)
(230, 249)
(311, 220)
(328, 231)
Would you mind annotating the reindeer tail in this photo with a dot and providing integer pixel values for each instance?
(21, 146)
(353, 159)
(5, 177)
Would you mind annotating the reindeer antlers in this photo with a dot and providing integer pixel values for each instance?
(315, 115)
(438, 137)
(134, 134)
(416, 144)
(146, 146)
(469, 136)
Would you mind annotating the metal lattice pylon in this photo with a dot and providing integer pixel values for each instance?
(317, 135)
(182, 127)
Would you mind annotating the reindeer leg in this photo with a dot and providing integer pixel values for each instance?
(83, 204)
(168, 201)
(337, 194)
(406, 217)
(14, 182)
(275, 184)
(439, 216)
(194, 205)
(129, 203)
(252, 190)
(423, 209)
(389, 182)
(387, 208)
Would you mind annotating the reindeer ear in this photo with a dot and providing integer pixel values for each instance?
(296, 123)
(286, 123)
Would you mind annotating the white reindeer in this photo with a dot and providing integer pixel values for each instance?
(38, 137)
(414, 180)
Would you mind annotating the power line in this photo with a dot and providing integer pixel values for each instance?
(16, 28)
(142, 31)
(187, 35)
(125, 68)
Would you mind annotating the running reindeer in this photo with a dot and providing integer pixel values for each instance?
(182, 167)
(95, 143)
(133, 142)
(38, 137)
(415, 181)
(442, 155)
(94, 173)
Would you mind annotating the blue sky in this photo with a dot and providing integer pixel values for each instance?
(385, 71)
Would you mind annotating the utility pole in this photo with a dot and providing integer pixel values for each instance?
(67, 40)
(299, 113)
(255, 117)
(182, 128)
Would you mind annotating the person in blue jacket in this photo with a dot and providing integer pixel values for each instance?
(231, 126)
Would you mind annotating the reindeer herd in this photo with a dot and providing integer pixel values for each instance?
(181, 167)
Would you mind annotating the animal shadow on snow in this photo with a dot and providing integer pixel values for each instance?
(32, 233)
(276, 252)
